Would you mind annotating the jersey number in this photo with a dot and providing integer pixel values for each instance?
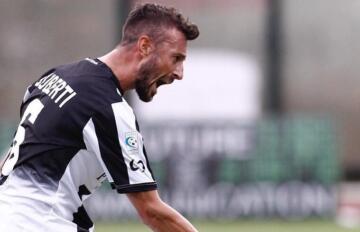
(31, 113)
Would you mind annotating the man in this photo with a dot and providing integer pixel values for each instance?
(77, 130)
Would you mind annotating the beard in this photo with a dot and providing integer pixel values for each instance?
(147, 73)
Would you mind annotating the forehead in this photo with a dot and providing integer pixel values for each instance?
(175, 41)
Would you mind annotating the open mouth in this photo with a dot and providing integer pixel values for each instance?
(160, 82)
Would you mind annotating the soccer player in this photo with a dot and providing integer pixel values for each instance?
(77, 130)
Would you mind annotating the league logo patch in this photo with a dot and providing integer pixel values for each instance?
(131, 141)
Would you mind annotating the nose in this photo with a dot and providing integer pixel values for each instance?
(178, 73)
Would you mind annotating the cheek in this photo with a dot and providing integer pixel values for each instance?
(168, 67)
(165, 64)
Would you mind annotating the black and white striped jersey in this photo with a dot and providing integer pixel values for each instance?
(76, 130)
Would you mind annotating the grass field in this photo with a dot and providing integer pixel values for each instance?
(239, 226)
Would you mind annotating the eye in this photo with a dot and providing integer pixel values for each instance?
(177, 59)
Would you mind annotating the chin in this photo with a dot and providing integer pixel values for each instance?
(146, 94)
(145, 97)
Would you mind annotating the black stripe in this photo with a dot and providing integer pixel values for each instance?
(147, 163)
(2, 179)
(109, 144)
(137, 126)
(83, 190)
(136, 187)
(82, 220)
(144, 151)
(79, 229)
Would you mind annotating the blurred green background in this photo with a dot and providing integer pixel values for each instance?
(251, 226)
(293, 164)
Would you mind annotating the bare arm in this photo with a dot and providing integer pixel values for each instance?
(159, 216)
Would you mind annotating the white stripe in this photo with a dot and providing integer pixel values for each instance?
(82, 169)
(91, 61)
(125, 123)
(92, 144)
(26, 95)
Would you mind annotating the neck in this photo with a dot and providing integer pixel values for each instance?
(122, 62)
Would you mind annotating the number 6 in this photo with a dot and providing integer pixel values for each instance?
(31, 113)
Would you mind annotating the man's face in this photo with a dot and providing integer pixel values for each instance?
(162, 66)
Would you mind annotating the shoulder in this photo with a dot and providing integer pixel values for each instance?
(80, 83)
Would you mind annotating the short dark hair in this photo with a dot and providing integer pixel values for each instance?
(152, 19)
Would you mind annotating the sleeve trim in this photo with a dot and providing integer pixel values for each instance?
(132, 188)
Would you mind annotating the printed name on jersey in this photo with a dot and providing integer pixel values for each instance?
(56, 88)
(131, 141)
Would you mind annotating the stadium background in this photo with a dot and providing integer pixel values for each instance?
(273, 154)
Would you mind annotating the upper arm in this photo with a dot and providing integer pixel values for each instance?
(113, 136)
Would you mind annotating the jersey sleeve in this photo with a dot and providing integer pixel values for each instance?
(113, 136)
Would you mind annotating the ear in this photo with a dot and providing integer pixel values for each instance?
(145, 45)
